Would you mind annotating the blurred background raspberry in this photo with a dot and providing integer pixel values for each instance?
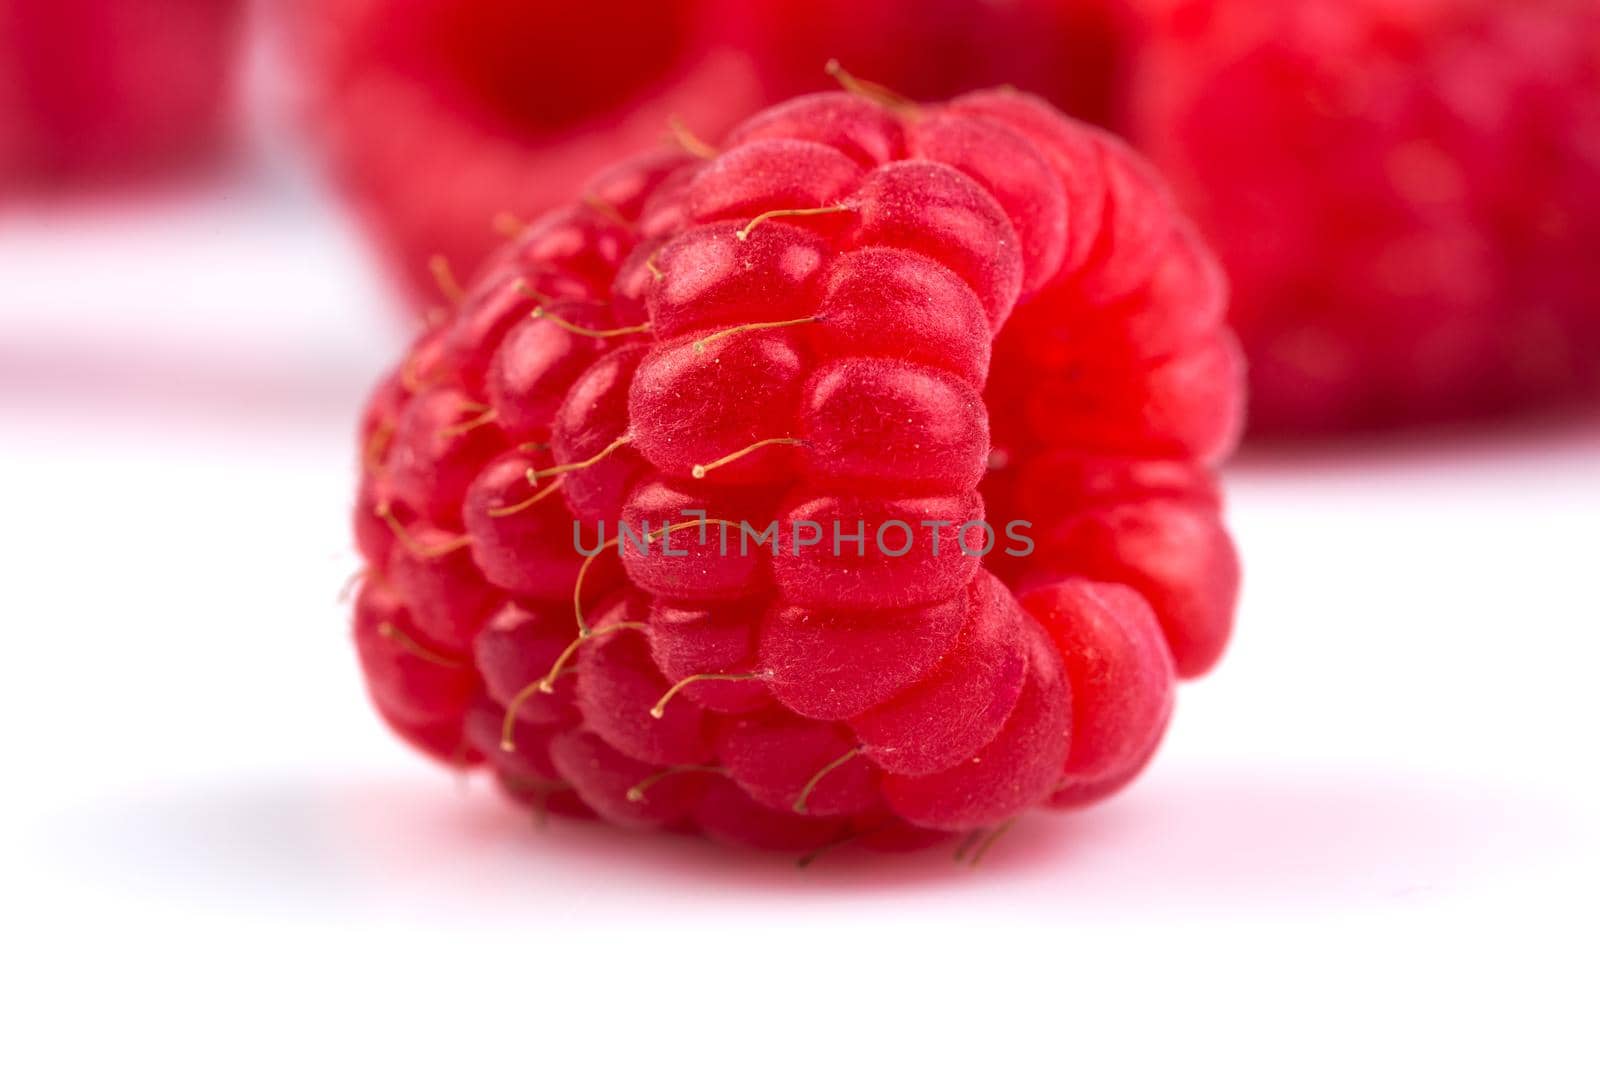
(91, 89)
(1406, 194)
(438, 116)
(1403, 191)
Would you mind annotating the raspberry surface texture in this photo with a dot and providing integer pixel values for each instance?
(651, 513)
(109, 88)
(439, 118)
(1403, 193)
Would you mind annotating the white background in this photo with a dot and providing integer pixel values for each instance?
(1374, 832)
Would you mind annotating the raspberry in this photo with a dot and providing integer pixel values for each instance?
(785, 396)
(512, 103)
(517, 100)
(1066, 51)
(1402, 193)
(96, 88)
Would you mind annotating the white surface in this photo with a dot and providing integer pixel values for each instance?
(1374, 832)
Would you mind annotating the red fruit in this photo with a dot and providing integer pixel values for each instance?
(512, 652)
(794, 765)
(874, 422)
(422, 692)
(524, 767)
(591, 421)
(712, 276)
(693, 406)
(535, 362)
(1176, 553)
(939, 321)
(698, 638)
(854, 551)
(619, 694)
(689, 562)
(938, 211)
(835, 664)
(438, 447)
(1064, 51)
(1009, 773)
(1403, 194)
(515, 105)
(93, 89)
(788, 614)
(521, 533)
(619, 788)
(438, 116)
(1121, 678)
(729, 815)
(959, 706)
(448, 597)
(1016, 174)
(771, 175)
(857, 128)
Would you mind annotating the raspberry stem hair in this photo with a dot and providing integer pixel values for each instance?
(659, 710)
(531, 293)
(413, 546)
(408, 378)
(348, 588)
(606, 211)
(585, 331)
(611, 542)
(700, 345)
(377, 444)
(688, 140)
(524, 505)
(389, 631)
(506, 224)
(881, 95)
(635, 794)
(444, 276)
(812, 782)
(582, 464)
(988, 841)
(477, 422)
(822, 850)
(546, 684)
(700, 470)
(743, 233)
(577, 590)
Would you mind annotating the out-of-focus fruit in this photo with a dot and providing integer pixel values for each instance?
(100, 89)
(1405, 193)
(440, 117)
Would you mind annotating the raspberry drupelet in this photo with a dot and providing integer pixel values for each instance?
(760, 384)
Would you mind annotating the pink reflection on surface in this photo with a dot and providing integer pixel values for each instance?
(1195, 840)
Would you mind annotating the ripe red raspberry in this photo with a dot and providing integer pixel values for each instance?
(1403, 192)
(101, 87)
(774, 367)
(443, 119)
(438, 116)
(1067, 51)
